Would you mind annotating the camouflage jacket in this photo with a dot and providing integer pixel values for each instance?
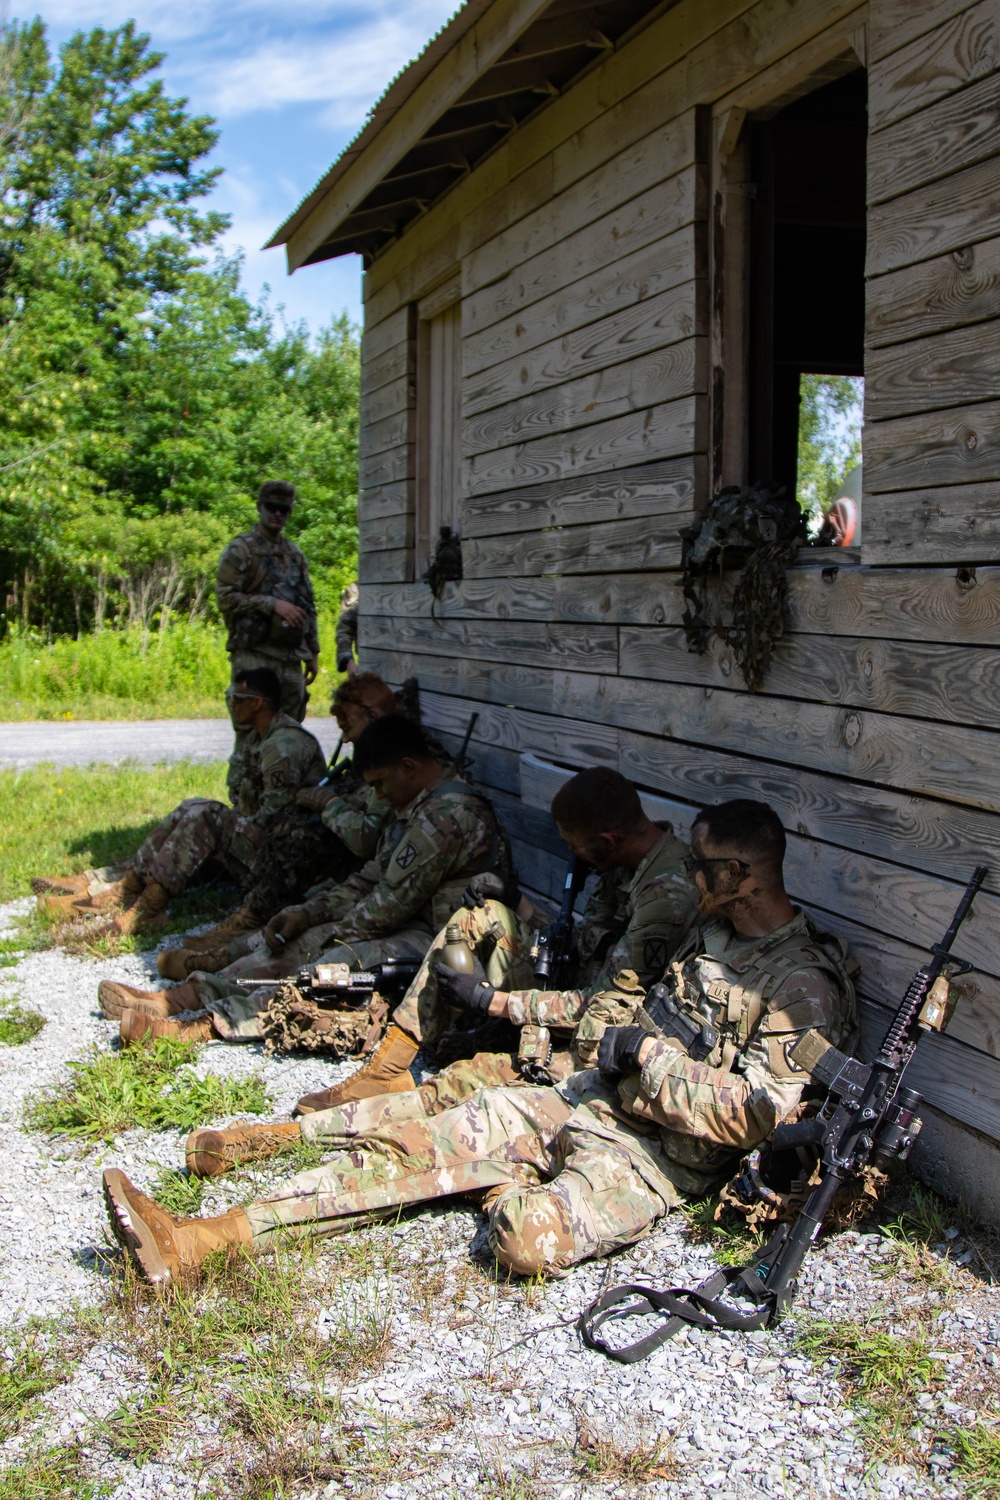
(633, 920)
(356, 815)
(758, 996)
(347, 626)
(253, 572)
(424, 860)
(274, 766)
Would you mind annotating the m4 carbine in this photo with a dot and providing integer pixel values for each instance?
(392, 977)
(553, 951)
(869, 1118)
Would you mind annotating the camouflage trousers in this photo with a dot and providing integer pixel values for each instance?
(297, 851)
(556, 1189)
(236, 1012)
(501, 942)
(195, 832)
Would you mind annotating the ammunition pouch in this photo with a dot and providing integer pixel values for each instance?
(697, 1040)
(537, 1059)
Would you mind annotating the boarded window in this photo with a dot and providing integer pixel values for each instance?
(439, 419)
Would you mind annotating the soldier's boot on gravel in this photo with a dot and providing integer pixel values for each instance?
(238, 922)
(209, 1153)
(138, 1027)
(65, 907)
(162, 1247)
(124, 893)
(178, 963)
(148, 913)
(385, 1072)
(116, 998)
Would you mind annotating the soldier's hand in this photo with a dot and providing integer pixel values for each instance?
(466, 991)
(489, 887)
(312, 670)
(292, 614)
(618, 1051)
(315, 798)
(288, 924)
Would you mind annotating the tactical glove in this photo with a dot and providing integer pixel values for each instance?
(284, 926)
(467, 991)
(618, 1051)
(315, 798)
(489, 887)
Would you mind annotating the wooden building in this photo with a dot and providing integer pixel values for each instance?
(602, 241)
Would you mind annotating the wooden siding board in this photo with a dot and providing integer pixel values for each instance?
(615, 546)
(380, 500)
(958, 52)
(960, 524)
(386, 567)
(893, 24)
(954, 134)
(389, 467)
(656, 489)
(383, 533)
(578, 648)
(517, 730)
(955, 447)
(946, 215)
(950, 291)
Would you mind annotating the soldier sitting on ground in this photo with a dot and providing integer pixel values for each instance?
(324, 835)
(443, 834)
(641, 906)
(280, 758)
(587, 1167)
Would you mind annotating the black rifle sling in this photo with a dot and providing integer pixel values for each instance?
(697, 1307)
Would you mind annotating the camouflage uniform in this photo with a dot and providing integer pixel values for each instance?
(254, 572)
(634, 919)
(303, 848)
(391, 907)
(276, 764)
(347, 626)
(586, 1168)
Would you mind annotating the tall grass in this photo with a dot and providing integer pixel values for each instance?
(177, 673)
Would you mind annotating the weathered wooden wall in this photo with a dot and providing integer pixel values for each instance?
(582, 246)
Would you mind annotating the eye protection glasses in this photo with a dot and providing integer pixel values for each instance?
(277, 507)
(692, 862)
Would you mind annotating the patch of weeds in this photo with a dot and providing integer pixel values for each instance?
(977, 1457)
(359, 1332)
(884, 1373)
(602, 1458)
(11, 952)
(18, 1025)
(498, 1483)
(141, 1432)
(178, 1192)
(49, 1474)
(733, 1242)
(27, 1370)
(151, 1086)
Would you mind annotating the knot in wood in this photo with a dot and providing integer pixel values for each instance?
(966, 579)
(970, 440)
(852, 731)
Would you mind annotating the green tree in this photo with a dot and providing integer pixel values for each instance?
(830, 412)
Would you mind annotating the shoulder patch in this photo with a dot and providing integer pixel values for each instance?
(655, 955)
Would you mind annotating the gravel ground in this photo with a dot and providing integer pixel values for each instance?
(460, 1406)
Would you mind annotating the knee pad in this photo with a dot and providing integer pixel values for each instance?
(530, 1231)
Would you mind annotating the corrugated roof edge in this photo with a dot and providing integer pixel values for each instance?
(398, 91)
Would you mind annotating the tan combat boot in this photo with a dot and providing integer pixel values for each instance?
(385, 1072)
(64, 907)
(147, 914)
(124, 893)
(61, 885)
(209, 1153)
(162, 1247)
(178, 963)
(116, 998)
(238, 922)
(138, 1027)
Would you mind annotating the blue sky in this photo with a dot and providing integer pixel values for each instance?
(289, 85)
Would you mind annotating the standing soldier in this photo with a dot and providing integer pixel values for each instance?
(266, 600)
(347, 629)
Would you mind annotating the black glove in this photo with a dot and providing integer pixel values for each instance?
(618, 1052)
(489, 887)
(467, 991)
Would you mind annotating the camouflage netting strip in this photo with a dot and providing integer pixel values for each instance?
(292, 1023)
(854, 1202)
(759, 610)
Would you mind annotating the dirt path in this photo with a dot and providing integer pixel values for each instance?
(148, 741)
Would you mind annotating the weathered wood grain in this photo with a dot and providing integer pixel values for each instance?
(643, 545)
(382, 533)
(951, 135)
(652, 378)
(666, 431)
(930, 221)
(382, 436)
(602, 292)
(379, 370)
(956, 1079)
(939, 838)
(960, 446)
(389, 467)
(385, 334)
(960, 523)
(655, 489)
(516, 730)
(380, 500)
(947, 369)
(944, 683)
(951, 291)
(386, 567)
(918, 604)
(914, 77)
(389, 400)
(576, 647)
(893, 24)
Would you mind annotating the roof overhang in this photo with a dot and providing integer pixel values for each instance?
(495, 63)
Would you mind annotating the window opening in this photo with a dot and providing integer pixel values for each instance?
(438, 428)
(807, 295)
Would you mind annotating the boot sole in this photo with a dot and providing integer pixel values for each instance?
(133, 1235)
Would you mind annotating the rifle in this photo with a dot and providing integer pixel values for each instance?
(554, 950)
(332, 768)
(868, 1119)
(328, 982)
(465, 765)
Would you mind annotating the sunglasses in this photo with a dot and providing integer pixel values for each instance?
(692, 862)
(277, 507)
(234, 697)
